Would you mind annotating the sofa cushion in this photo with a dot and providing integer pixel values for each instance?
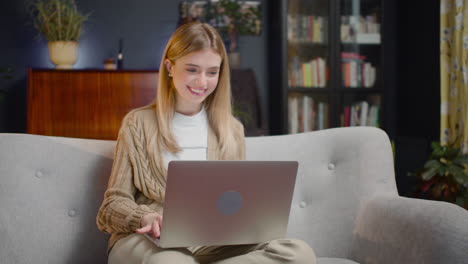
(339, 170)
(50, 191)
(335, 261)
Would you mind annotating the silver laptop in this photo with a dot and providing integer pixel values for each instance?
(226, 202)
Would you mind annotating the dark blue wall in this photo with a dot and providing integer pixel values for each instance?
(144, 25)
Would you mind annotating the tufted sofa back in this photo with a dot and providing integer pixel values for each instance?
(339, 170)
(50, 192)
(51, 189)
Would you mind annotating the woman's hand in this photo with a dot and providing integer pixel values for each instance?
(150, 224)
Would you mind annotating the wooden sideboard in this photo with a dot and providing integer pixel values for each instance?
(85, 103)
(92, 103)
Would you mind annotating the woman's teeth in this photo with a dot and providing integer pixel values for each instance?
(197, 91)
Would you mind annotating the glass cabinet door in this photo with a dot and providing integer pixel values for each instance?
(307, 26)
(308, 65)
(361, 67)
(360, 43)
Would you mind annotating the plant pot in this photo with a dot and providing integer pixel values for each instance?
(63, 53)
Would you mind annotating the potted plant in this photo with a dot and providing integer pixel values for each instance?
(234, 18)
(230, 17)
(444, 176)
(60, 22)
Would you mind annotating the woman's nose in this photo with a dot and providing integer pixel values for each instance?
(202, 81)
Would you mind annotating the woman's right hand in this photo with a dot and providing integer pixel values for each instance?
(150, 224)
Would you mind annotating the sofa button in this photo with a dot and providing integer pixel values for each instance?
(71, 213)
(331, 166)
(302, 204)
(39, 174)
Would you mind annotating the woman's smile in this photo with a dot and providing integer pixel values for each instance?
(197, 91)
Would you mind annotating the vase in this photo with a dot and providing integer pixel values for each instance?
(63, 53)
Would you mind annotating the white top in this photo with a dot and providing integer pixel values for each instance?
(191, 133)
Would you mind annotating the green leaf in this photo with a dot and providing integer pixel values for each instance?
(57, 19)
(453, 151)
(437, 153)
(442, 170)
(435, 164)
(455, 169)
(464, 179)
(458, 174)
(462, 159)
(435, 145)
(428, 174)
(459, 179)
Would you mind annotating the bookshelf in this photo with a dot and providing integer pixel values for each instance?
(332, 64)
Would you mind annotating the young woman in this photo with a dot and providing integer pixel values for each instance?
(190, 119)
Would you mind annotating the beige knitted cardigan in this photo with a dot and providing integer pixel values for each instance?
(137, 183)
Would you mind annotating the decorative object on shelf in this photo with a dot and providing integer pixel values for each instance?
(444, 176)
(109, 64)
(120, 55)
(63, 53)
(359, 29)
(230, 17)
(61, 24)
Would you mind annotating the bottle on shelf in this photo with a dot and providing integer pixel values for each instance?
(120, 55)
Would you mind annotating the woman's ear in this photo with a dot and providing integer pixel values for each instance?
(168, 65)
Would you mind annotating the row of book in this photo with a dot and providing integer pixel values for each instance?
(356, 71)
(360, 29)
(313, 73)
(306, 114)
(302, 28)
(361, 114)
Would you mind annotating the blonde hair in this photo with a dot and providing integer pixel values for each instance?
(186, 39)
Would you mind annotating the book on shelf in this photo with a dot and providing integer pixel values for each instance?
(307, 28)
(293, 115)
(361, 114)
(356, 71)
(313, 73)
(306, 114)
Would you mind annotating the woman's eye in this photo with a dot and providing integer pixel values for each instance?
(213, 73)
(191, 70)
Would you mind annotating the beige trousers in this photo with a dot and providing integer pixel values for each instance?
(136, 248)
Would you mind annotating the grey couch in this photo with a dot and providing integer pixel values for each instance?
(345, 203)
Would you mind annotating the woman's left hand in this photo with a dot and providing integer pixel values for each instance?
(151, 224)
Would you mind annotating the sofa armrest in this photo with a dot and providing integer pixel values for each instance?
(393, 229)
